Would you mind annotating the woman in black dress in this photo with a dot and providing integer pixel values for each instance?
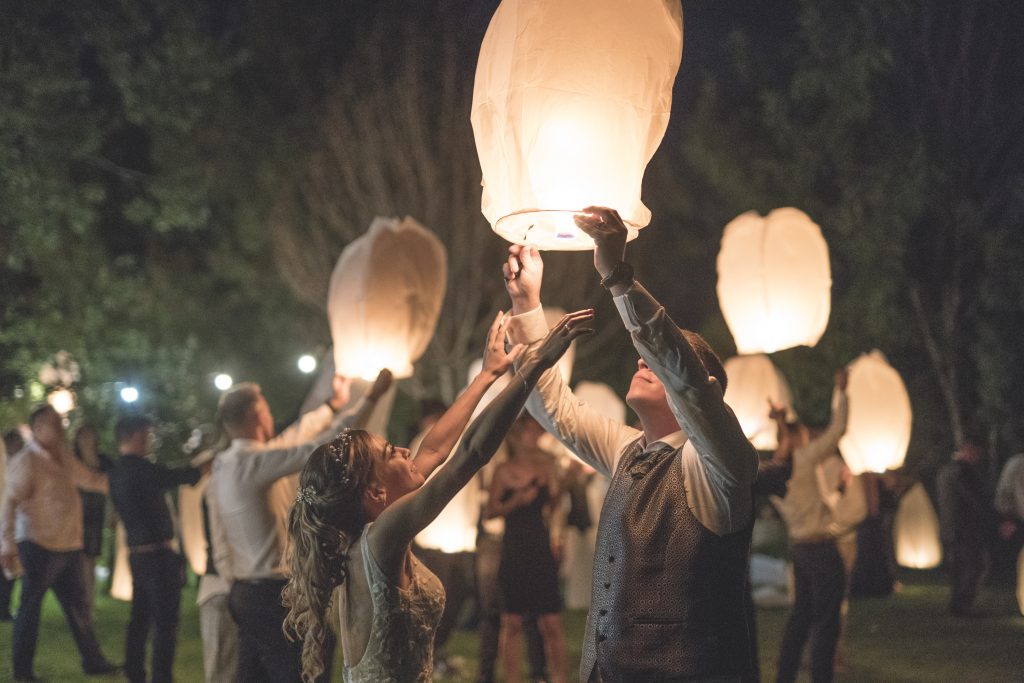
(522, 490)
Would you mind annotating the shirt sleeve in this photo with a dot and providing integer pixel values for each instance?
(593, 437)
(726, 462)
(321, 424)
(171, 477)
(17, 488)
(807, 457)
(84, 477)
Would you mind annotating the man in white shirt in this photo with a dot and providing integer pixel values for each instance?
(41, 523)
(674, 538)
(253, 486)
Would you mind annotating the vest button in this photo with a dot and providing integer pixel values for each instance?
(611, 558)
(607, 585)
(603, 612)
(601, 638)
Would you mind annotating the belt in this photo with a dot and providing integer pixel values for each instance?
(151, 547)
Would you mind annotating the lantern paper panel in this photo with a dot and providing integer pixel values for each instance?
(878, 429)
(753, 381)
(774, 281)
(570, 102)
(384, 298)
(121, 580)
(916, 531)
(190, 513)
(1020, 581)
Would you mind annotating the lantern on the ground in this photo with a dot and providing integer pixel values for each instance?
(753, 382)
(570, 102)
(916, 531)
(774, 281)
(384, 298)
(878, 430)
(190, 517)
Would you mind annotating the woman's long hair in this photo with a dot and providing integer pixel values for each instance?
(325, 520)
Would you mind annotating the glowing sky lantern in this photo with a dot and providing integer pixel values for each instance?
(121, 580)
(570, 102)
(384, 298)
(878, 431)
(603, 399)
(916, 531)
(774, 281)
(753, 381)
(190, 517)
(454, 530)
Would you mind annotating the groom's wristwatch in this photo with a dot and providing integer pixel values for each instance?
(621, 274)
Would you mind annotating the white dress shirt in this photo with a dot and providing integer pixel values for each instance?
(1010, 490)
(719, 464)
(41, 502)
(806, 508)
(254, 485)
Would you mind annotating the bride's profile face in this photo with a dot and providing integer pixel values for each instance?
(396, 470)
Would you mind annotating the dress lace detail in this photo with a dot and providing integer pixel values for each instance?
(401, 644)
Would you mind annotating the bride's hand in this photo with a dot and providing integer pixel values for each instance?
(498, 360)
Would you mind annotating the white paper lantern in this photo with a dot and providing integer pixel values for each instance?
(753, 381)
(878, 430)
(1020, 581)
(603, 399)
(570, 102)
(774, 281)
(190, 514)
(916, 531)
(384, 298)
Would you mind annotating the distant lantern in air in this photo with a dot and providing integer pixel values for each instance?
(878, 431)
(571, 100)
(916, 531)
(753, 381)
(774, 281)
(384, 298)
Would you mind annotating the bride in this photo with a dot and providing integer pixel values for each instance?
(362, 500)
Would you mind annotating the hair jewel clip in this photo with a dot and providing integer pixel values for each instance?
(306, 495)
(338, 450)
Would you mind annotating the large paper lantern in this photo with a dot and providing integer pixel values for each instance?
(193, 536)
(774, 281)
(753, 381)
(603, 399)
(916, 531)
(121, 580)
(878, 430)
(1020, 581)
(570, 102)
(454, 530)
(384, 298)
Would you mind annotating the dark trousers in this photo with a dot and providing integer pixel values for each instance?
(264, 653)
(61, 571)
(820, 585)
(488, 560)
(156, 600)
(966, 563)
(6, 588)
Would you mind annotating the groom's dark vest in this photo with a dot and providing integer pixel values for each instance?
(668, 594)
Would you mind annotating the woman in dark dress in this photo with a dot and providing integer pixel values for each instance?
(94, 506)
(521, 491)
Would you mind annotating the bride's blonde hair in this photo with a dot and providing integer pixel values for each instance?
(325, 520)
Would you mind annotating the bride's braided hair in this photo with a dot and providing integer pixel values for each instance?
(325, 520)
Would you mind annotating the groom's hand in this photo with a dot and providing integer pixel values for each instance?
(523, 272)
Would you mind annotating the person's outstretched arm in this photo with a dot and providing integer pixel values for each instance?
(438, 443)
(596, 439)
(398, 524)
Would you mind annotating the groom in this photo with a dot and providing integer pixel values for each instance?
(674, 539)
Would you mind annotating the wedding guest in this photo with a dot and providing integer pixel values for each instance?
(94, 506)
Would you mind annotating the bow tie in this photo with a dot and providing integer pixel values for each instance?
(645, 460)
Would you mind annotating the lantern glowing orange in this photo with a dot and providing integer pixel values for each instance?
(753, 381)
(570, 102)
(878, 430)
(916, 531)
(190, 517)
(121, 580)
(384, 298)
(774, 281)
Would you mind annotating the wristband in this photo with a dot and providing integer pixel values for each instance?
(620, 275)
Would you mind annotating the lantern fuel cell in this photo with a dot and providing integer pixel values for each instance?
(570, 102)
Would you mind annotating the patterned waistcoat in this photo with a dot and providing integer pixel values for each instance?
(668, 594)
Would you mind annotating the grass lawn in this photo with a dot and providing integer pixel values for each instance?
(906, 637)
